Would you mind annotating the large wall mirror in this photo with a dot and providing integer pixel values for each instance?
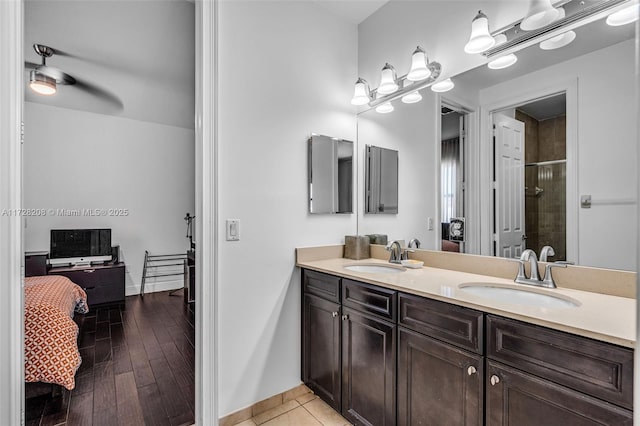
(330, 175)
(574, 109)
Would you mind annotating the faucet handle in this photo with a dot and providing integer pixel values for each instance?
(548, 276)
(404, 255)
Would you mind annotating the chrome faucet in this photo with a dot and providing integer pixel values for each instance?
(395, 252)
(414, 242)
(530, 256)
(405, 253)
(546, 252)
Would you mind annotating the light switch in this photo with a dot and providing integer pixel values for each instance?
(430, 224)
(233, 229)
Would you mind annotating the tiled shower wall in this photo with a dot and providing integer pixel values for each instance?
(545, 196)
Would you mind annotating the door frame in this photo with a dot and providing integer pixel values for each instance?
(471, 148)
(493, 102)
(11, 227)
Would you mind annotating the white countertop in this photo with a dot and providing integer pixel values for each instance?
(602, 317)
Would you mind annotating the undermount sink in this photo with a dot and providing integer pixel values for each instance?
(375, 268)
(519, 295)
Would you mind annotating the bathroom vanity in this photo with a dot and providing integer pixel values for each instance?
(413, 348)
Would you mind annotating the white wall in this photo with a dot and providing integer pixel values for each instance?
(286, 70)
(408, 130)
(607, 144)
(81, 160)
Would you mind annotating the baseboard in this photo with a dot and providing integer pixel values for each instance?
(154, 287)
(264, 405)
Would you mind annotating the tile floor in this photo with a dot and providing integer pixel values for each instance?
(306, 410)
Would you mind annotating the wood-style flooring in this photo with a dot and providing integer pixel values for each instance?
(138, 367)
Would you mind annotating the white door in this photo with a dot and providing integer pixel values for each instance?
(509, 186)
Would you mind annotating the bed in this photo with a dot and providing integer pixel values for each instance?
(50, 334)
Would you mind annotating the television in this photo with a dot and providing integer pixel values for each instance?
(80, 246)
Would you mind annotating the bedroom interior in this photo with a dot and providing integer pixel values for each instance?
(255, 359)
(110, 154)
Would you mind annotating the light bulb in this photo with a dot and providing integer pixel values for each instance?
(443, 86)
(42, 84)
(419, 69)
(480, 39)
(503, 62)
(361, 93)
(624, 16)
(412, 98)
(541, 13)
(385, 108)
(558, 41)
(388, 83)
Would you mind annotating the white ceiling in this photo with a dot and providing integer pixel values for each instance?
(354, 11)
(139, 53)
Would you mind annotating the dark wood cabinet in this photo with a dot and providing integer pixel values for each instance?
(104, 284)
(518, 398)
(348, 352)
(321, 333)
(368, 369)
(438, 384)
(383, 358)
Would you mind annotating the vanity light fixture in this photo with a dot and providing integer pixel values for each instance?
(443, 86)
(624, 16)
(384, 108)
(503, 62)
(480, 39)
(412, 98)
(361, 94)
(541, 13)
(419, 69)
(42, 84)
(422, 74)
(388, 79)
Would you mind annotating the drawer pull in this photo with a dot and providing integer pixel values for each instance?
(471, 370)
(345, 317)
(334, 314)
(88, 288)
(88, 271)
(495, 380)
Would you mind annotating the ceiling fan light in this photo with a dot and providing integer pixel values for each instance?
(503, 62)
(412, 98)
(480, 39)
(443, 86)
(624, 16)
(385, 108)
(419, 69)
(558, 41)
(388, 82)
(361, 93)
(42, 84)
(541, 13)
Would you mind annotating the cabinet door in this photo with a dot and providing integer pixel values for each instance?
(321, 348)
(368, 369)
(517, 398)
(438, 384)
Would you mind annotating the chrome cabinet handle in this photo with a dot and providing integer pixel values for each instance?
(471, 370)
(345, 317)
(334, 314)
(88, 271)
(495, 380)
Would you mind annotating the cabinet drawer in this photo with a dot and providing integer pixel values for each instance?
(35, 265)
(97, 295)
(369, 298)
(453, 324)
(322, 285)
(596, 368)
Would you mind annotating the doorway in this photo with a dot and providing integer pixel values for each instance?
(530, 178)
(454, 125)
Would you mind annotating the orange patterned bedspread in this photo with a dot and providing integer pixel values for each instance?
(50, 335)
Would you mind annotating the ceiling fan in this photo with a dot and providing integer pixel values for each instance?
(44, 79)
